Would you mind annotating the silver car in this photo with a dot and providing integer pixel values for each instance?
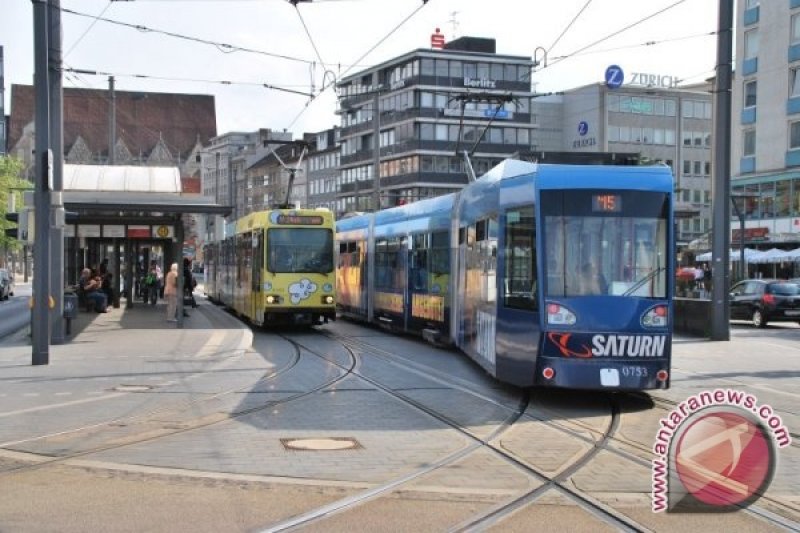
(6, 284)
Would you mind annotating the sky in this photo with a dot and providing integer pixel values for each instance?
(346, 36)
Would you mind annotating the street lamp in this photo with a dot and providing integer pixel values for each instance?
(740, 215)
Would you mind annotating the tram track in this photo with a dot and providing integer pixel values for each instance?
(149, 434)
(608, 441)
(558, 482)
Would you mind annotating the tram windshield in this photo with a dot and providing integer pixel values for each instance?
(605, 243)
(305, 250)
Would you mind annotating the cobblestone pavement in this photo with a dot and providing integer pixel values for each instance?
(133, 406)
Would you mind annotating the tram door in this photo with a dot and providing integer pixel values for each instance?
(257, 268)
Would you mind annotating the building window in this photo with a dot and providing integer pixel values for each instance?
(613, 102)
(687, 167)
(794, 82)
(794, 135)
(698, 166)
(669, 108)
(749, 143)
(751, 44)
(613, 133)
(795, 28)
(750, 93)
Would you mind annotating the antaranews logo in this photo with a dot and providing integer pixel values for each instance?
(715, 451)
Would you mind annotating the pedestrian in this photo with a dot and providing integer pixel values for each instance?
(188, 282)
(90, 286)
(171, 292)
(153, 282)
(698, 278)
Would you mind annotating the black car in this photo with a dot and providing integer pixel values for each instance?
(765, 300)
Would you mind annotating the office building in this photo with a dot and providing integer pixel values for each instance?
(434, 104)
(658, 119)
(765, 144)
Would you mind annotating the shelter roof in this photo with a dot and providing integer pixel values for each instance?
(132, 190)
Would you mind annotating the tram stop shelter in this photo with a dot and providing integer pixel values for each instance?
(123, 213)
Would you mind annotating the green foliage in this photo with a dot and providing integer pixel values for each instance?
(10, 184)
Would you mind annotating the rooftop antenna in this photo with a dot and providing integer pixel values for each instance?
(454, 22)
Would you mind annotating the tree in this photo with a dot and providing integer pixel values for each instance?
(11, 183)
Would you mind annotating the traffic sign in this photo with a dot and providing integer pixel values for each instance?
(614, 76)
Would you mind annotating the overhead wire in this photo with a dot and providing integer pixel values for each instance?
(193, 80)
(646, 43)
(569, 25)
(607, 37)
(357, 61)
(223, 47)
(308, 33)
(625, 28)
(79, 39)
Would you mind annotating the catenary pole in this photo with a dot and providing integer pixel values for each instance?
(57, 144)
(40, 319)
(720, 248)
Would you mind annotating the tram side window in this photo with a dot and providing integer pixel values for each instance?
(243, 257)
(418, 265)
(386, 262)
(520, 287)
(348, 254)
(440, 253)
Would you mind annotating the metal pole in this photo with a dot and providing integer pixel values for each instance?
(40, 317)
(179, 260)
(57, 144)
(112, 122)
(376, 120)
(741, 247)
(720, 325)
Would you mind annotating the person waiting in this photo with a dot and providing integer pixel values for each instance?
(171, 292)
(91, 287)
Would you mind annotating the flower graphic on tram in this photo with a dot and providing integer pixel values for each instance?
(302, 290)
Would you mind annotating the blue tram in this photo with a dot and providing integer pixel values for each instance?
(546, 275)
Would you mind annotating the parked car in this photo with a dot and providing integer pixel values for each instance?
(6, 284)
(765, 300)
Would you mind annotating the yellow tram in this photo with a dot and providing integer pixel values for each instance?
(277, 268)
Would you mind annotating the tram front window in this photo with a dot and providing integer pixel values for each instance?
(612, 246)
(301, 250)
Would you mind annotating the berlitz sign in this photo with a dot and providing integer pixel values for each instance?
(480, 83)
(654, 80)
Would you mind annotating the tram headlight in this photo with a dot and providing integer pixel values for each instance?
(328, 299)
(558, 314)
(655, 317)
(272, 299)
